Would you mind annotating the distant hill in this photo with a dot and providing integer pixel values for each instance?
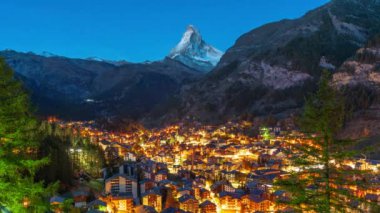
(88, 89)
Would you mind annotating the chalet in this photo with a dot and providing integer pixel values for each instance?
(152, 198)
(222, 186)
(265, 175)
(204, 194)
(121, 203)
(188, 203)
(230, 202)
(146, 185)
(258, 204)
(207, 207)
(80, 198)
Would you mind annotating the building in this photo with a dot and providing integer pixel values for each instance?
(161, 175)
(222, 186)
(80, 198)
(207, 207)
(129, 169)
(153, 199)
(130, 156)
(121, 203)
(120, 183)
(144, 209)
(260, 204)
(230, 202)
(146, 185)
(188, 203)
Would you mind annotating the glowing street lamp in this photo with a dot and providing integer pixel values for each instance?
(26, 202)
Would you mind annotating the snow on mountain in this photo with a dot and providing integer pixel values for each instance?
(116, 63)
(47, 54)
(194, 52)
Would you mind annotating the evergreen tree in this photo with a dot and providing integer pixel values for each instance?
(321, 177)
(18, 148)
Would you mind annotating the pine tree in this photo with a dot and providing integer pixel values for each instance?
(322, 173)
(18, 148)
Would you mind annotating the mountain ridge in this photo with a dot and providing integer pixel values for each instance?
(60, 85)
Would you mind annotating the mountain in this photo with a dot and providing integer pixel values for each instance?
(268, 71)
(88, 89)
(271, 69)
(359, 79)
(194, 52)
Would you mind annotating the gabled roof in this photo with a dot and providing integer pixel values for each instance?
(146, 180)
(151, 192)
(164, 172)
(120, 175)
(173, 210)
(56, 199)
(149, 209)
(80, 193)
(206, 203)
(185, 198)
(97, 203)
(233, 195)
(256, 199)
(184, 189)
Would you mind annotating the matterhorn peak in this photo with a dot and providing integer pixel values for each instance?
(194, 52)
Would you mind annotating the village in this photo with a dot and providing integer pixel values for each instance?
(195, 168)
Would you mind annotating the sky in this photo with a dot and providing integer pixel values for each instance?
(133, 30)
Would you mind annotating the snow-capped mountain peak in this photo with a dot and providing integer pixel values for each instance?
(191, 37)
(194, 52)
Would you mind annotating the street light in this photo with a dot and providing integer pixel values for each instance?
(26, 202)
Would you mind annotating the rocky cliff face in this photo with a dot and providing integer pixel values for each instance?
(364, 69)
(272, 68)
(359, 79)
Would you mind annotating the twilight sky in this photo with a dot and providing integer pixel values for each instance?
(134, 30)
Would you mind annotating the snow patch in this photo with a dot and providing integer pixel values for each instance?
(47, 54)
(194, 52)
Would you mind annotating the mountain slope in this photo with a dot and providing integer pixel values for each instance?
(194, 52)
(359, 79)
(88, 89)
(270, 69)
